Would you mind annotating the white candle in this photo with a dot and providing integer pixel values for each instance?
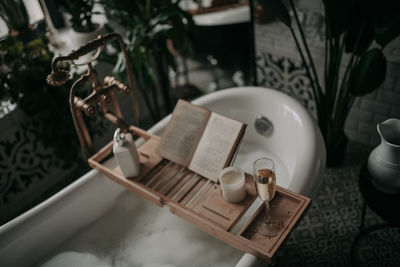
(232, 184)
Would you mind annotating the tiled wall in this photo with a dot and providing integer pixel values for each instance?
(28, 170)
(278, 66)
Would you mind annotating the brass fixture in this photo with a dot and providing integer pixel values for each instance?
(102, 96)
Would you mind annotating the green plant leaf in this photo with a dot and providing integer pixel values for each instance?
(120, 65)
(160, 31)
(164, 16)
(362, 23)
(386, 28)
(278, 9)
(338, 13)
(369, 73)
(361, 33)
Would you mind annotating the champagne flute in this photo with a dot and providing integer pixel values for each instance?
(265, 182)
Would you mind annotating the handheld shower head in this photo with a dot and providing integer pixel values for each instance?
(57, 77)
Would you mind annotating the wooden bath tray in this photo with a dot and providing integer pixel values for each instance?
(198, 200)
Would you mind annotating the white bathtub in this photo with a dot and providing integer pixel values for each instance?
(105, 225)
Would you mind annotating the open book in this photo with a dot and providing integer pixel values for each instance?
(201, 140)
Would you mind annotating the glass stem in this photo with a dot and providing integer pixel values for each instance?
(267, 214)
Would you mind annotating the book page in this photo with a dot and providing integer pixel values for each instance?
(183, 132)
(215, 146)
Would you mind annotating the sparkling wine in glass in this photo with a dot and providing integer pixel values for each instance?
(265, 182)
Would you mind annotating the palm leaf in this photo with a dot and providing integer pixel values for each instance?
(369, 73)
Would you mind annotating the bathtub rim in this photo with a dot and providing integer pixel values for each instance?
(8, 226)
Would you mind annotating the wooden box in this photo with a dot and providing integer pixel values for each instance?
(199, 201)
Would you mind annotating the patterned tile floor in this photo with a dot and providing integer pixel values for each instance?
(325, 235)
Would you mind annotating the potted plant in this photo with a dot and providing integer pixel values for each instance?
(14, 14)
(358, 30)
(151, 27)
(80, 13)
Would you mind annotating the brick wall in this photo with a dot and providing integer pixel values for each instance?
(275, 39)
(376, 107)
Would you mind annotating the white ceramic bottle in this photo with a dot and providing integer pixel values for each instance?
(125, 153)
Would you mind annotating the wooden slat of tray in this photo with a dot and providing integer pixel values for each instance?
(186, 188)
(145, 178)
(193, 191)
(181, 184)
(201, 195)
(167, 171)
(173, 183)
(166, 178)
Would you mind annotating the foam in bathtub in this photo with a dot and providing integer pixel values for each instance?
(135, 232)
(73, 258)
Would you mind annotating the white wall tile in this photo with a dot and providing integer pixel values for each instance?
(375, 106)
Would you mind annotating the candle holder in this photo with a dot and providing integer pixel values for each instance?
(232, 181)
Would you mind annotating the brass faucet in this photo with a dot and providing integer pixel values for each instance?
(102, 96)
